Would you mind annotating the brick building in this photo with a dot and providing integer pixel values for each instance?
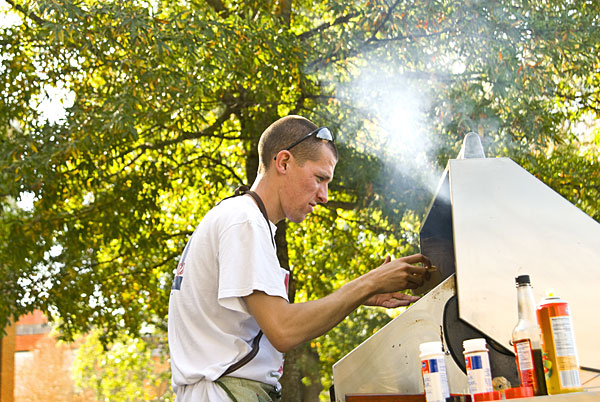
(30, 329)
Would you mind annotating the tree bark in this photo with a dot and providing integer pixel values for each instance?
(301, 363)
(283, 8)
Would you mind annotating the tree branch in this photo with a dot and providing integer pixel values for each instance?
(28, 14)
(370, 45)
(139, 269)
(216, 5)
(213, 162)
(341, 205)
(283, 8)
(383, 21)
(339, 20)
(188, 135)
(372, 227)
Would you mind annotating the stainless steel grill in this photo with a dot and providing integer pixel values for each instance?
(489, 221)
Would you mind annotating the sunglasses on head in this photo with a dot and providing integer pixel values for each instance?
(322, 133)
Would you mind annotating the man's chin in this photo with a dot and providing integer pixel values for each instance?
(298, 219)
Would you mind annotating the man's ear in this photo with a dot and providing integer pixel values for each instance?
(282, 161)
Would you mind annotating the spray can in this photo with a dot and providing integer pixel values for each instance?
(561, 366)
(433, 368)
(479, 374)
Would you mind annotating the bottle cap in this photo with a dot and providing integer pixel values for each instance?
(430, 348)
(488, 396)
(474, 345)
(518, 392)
(522, 279)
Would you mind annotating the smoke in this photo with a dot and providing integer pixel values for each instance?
(395, 107)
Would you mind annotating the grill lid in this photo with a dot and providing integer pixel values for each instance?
(492, 221)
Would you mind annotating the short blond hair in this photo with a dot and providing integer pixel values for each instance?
(286, 131)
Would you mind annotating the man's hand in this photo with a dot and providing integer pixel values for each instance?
(395, 299)
(391, 300)
(400, 274)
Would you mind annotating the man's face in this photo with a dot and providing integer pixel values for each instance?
(306, 185)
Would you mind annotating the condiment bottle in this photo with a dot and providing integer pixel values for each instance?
(558, 344)
(479, 374)
(433, 367)
(526, 339)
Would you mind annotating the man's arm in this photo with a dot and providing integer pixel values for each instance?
(287, 325)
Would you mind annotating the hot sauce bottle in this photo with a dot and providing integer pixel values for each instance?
(526, 339)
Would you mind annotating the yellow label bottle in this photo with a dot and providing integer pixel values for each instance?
(561, 365)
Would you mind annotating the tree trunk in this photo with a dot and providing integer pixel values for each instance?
(301, 379)
(283, 8)
(300, 362)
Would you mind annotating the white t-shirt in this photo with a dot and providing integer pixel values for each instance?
(229, 256)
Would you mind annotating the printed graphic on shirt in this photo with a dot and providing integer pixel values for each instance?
(180, 267)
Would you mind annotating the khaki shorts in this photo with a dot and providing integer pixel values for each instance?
(244, 390)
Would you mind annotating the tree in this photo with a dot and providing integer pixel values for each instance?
(128, 369)
(168, 100)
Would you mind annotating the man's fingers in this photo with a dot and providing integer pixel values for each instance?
(417, 274)
(416, 270)
(416, 258)
(395, 303)
(405, 297)
(414, 281)
(392, 300)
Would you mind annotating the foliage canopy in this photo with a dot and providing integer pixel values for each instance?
(164, 103)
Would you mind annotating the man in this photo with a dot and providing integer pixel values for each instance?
(229, 288)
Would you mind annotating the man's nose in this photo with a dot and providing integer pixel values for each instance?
(322, 194)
